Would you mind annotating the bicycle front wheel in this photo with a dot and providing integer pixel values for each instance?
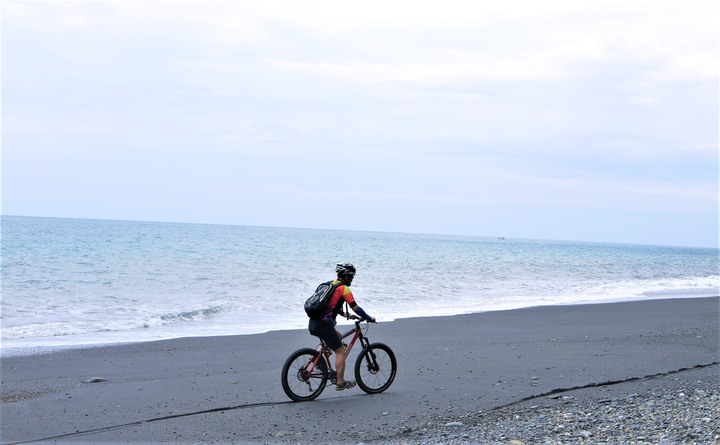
(301, 379)
(375, 368)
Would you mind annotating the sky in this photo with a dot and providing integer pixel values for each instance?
(589, 120)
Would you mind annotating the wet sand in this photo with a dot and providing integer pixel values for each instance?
(227, 389)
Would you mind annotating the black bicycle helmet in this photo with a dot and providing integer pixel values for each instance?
(345, 269)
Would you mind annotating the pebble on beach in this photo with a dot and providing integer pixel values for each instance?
(688, 415)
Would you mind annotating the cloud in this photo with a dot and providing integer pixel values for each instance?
(422, 106)
(692, 67)
(539, 67)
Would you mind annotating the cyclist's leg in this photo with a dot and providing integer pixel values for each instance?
(340, 359)
(340, 364)
(327, 332)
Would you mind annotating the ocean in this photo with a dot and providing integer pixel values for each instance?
(71, 282)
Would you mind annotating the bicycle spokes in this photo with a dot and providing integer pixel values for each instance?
(375, 368)
(372, 365)
(304, 375)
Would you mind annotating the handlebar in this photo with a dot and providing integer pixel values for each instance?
(359, 319)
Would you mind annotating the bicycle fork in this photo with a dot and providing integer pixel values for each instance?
(372, 364)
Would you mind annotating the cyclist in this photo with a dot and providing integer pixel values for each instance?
(325, 327)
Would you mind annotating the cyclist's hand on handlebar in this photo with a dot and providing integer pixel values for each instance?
(369, 320)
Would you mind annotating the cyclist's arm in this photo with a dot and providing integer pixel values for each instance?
(350, 299)
(358, 310)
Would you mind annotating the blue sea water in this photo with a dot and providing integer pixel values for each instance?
(74, 282)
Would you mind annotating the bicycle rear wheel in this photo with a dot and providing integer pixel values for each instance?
(375, 368)
(301, 380)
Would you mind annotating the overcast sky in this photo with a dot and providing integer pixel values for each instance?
(582, 120)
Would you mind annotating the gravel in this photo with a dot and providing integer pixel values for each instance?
(688, 413)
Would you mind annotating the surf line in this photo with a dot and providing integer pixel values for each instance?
(140, 422)
(602, 384)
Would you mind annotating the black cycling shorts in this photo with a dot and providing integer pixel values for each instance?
(326, 331)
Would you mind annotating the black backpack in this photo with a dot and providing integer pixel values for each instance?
(316, 305)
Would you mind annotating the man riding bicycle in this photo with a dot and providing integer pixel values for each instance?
(324, 328)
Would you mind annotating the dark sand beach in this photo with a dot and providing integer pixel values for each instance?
(459, 377)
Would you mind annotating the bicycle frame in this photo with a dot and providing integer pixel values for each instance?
(325, 352)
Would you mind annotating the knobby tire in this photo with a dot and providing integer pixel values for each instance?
(297, 383)
(375, 368)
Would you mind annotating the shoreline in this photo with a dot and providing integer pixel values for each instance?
(12, 351)
(464, 369)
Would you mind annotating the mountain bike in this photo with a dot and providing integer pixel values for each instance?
(307, 371)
